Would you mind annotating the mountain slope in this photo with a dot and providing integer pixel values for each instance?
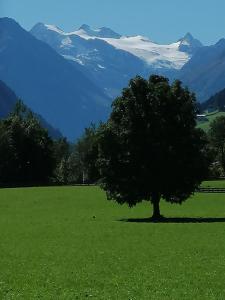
(205, 72)
(172, 56)
(108, 67)
(155, 55)
(111, 59)
(189, 44)
(215, 102)
(8, 100)
(47, 83)
(102, 32)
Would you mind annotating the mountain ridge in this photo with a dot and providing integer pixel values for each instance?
(173, 55)
(204, 73)
(8, 100)
(47, 83)
(71, 77)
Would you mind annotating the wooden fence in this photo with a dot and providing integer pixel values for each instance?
(211, 190)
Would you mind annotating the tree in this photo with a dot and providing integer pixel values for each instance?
(26, 148)
(150, 148)
(62, 154)
(217, 138)
(84, 157)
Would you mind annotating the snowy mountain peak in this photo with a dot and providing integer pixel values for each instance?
(55, 28)
(102, 32)
(84, 27)
(155, 55)
(189, 44)
(40, 27)
(188, 37)
(81, 45)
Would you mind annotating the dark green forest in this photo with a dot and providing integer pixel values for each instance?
(30, 156)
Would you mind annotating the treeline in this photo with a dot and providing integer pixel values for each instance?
(29, 156)
(80, 163)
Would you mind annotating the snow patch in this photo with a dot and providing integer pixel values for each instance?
(151, 52)
(66, 42)
(101, 67)
(54, 28)
(70, 57)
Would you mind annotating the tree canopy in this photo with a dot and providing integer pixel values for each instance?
(150, 147)
(26, 150)
(84, 156)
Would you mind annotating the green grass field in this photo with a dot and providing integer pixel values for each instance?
(211, 117)
(214, 183)
(52, 247)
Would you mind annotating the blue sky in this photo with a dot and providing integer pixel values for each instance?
(163, 21)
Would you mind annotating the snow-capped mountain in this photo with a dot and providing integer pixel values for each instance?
(155, 55)
(72, 82)
(172, 56)
(189, 44)
(110, 68)
(49, 84)
(111, 59)
(103, 32)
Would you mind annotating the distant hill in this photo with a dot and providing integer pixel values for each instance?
(8, 100)
(215, 102)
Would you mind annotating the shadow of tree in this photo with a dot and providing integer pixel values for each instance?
(174, 220)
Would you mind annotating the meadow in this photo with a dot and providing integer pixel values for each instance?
(70, 243)
(205, 125)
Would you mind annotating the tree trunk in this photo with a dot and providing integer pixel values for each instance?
(156, 209)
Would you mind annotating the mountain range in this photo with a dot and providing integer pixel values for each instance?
(49, 84)
(112, 59)
(70, 78)
(204, 73)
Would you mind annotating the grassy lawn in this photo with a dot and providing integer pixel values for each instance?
(52, 247)
(214, 183)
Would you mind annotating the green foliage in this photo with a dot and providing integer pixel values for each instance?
(84, 157)
(26, 149)
(52, 248)
(29, 156)
(150, 147)
(217, 138)
(61, 154)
